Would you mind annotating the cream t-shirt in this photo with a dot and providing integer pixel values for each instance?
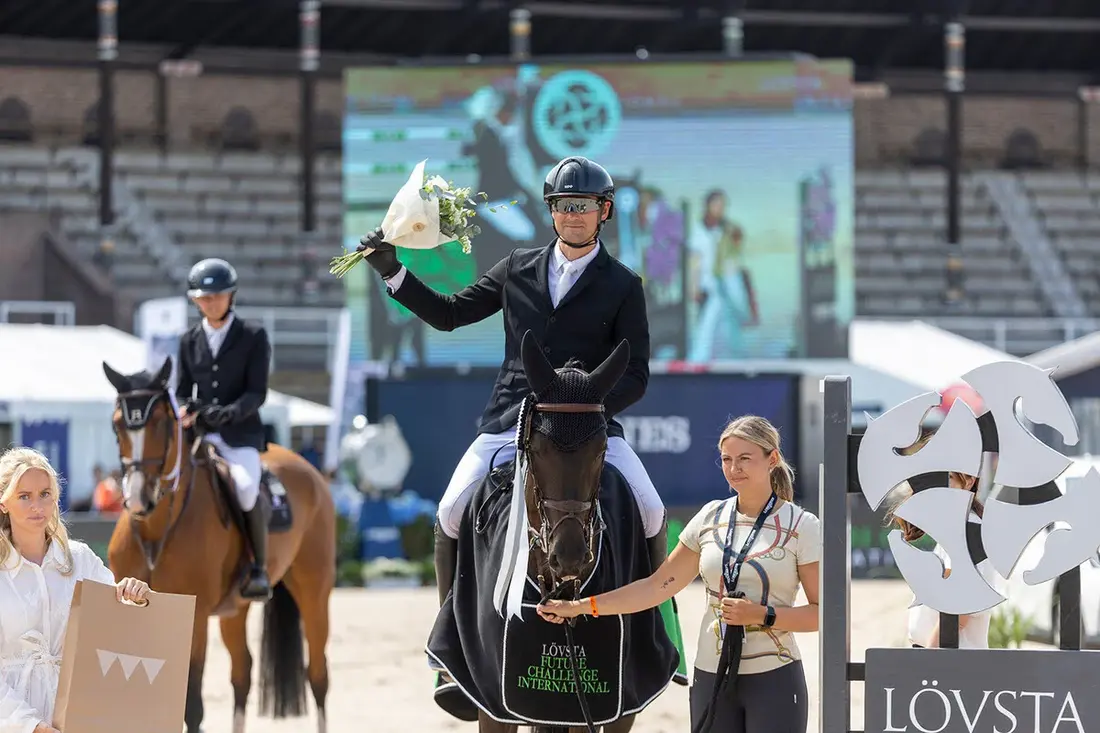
(789, 537)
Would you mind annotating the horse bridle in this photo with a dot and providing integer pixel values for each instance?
(137, 418)
(540, 538)
(584, 513)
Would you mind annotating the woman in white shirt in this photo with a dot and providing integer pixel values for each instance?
(39, 567)
(783, 546)
(924, 622)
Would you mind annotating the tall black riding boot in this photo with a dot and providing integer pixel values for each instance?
(447, 694)
(257, 587)
(446, 557)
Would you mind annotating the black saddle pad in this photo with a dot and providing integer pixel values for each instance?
(281, 518)
(517, 671)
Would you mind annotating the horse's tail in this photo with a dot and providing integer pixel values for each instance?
(282, 662)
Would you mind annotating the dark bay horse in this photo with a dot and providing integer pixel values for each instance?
(178, 532)
(585, 536)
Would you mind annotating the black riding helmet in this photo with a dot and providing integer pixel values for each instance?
(579, 176)
(210, 277)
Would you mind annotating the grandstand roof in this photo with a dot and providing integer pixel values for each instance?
(1070, 358)
(1037, 35)
(63, 364)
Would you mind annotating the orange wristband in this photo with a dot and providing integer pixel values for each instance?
(592, 602)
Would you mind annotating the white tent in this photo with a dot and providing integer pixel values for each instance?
(55, 373)
(917, 352)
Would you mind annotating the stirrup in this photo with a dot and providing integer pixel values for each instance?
(257, 586)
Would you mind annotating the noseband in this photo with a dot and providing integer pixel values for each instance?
(582, 512)
(136, 407)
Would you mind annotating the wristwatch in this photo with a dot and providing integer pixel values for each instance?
(769, 617)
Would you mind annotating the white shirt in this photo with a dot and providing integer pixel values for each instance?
(923, 621)
(563, 273)
(34, 612)
(215, 337)
(789, 537)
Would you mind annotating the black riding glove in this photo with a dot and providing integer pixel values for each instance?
(215, 416)
(384, 257)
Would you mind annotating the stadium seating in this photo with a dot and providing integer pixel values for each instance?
(901, 251)
(245, 206)
(1068, 205)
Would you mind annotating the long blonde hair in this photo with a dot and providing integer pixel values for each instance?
(760, 432)
(14, 463)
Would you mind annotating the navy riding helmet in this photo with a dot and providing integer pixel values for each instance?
(579, 176)
(210, 277)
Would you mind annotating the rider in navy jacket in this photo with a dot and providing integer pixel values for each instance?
(578, 300)
(223, 366)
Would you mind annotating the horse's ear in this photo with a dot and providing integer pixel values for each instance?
(604, 377)
(540, 372)
(119, 382)
(165, 373)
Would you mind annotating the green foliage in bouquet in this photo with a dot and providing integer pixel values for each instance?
(457, 207)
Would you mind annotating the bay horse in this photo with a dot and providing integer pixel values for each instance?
(179, 532)
(584, 532)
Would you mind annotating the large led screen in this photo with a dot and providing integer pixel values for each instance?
(734, 197)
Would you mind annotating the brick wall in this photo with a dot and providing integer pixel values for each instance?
(59, 99)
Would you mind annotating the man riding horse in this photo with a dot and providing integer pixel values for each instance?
(579, 302)
(223, 367)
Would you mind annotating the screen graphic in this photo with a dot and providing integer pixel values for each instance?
(734, 194)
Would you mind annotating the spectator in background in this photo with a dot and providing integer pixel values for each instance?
(107, 498)
(104, 256)
(924, 622)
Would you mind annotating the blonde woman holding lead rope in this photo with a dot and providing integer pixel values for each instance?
(748, 670)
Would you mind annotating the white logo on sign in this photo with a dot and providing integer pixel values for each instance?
(1023, 462)
(129, 663)
(657, 434)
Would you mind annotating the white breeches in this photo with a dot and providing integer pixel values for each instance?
(475, 465)
(244, 467)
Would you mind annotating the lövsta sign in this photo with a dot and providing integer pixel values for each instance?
(981, 691)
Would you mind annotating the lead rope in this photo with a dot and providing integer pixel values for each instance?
(581, 698)
(576, 677)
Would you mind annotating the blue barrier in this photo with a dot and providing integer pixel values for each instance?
(674, 428)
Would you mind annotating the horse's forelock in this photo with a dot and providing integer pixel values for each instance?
(569, 430)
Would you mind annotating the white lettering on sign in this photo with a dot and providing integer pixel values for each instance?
(938, 711)
(657, 434)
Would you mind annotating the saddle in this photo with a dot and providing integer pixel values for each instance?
(272, 492)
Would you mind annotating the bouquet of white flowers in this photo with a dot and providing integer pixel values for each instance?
(425, 213)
